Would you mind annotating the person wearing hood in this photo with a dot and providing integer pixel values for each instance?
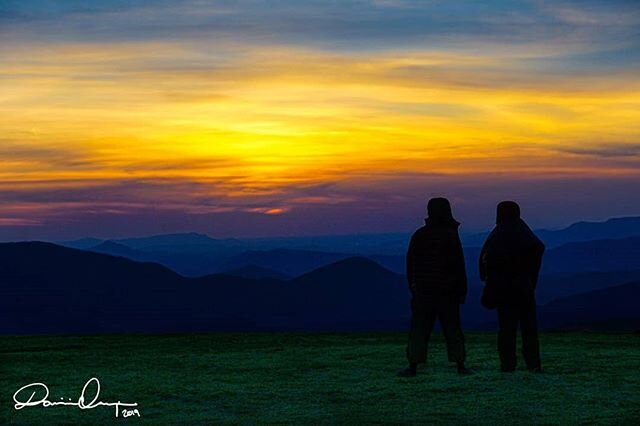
(510, 262)
(438, 284)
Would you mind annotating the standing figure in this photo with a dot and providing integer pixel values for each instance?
(510, 262)
(438, 284)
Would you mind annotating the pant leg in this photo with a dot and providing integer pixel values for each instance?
(449, 315)
(423, 318)
(507, 334)
(529, 330)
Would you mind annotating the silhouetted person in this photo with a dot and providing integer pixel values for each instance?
(438, 284)
(510, 262)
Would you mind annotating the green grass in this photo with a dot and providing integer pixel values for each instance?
(321, 379)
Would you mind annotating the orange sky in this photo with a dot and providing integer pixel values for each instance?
(246, 122)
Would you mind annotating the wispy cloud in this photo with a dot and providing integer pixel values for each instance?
(19, 222)
(273, 108)
(606, 150)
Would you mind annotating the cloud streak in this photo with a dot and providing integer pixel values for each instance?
(276, 108)
(606, 151)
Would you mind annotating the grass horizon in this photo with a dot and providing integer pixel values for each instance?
(322, 378)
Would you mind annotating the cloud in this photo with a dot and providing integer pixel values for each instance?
(348, 25)
(18, 222)
(277, 109)
(606, 151)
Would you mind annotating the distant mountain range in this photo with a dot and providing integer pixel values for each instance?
(599, 255)
(118, 249)
(286, 261)
(577, 248)
(254, 272)
(394, 243)
(46, 288)
(572, 258)
(568, 269)
(615, 228)
(609, 308)
(554, 285)
(589, 256)
(612, 229)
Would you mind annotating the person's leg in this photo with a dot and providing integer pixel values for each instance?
(507, 333)
(449, 315)
(529, 330)
(422, 320)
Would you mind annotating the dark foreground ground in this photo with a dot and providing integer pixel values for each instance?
(320, 379)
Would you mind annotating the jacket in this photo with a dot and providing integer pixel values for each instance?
(435, 264)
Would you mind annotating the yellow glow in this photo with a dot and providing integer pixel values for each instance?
(282, 117)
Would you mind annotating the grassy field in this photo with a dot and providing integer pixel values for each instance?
(321, 379)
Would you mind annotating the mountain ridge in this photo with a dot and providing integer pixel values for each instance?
(54, 289)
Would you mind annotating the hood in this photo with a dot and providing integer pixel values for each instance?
(439, 213)
(507, 211)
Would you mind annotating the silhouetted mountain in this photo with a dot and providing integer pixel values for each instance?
(298, 262)
(50, 288)
(616, 228)
(190, 242)
(191, 264)
(563, 284)
(82, 243)
(256, 273)
(351, 294)
(189, 254)
(550, 287)
(193, 254)
(289, 262)
(354, 292)
(197, 255)
(578, 267)
(601, 255)
(612, 229)
(54, 289)
(609, 308)
(362, 244)
(591, 256)
(117, 249)
(350, 268)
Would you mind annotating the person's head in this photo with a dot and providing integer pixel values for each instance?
(507, 211)
(439, 212)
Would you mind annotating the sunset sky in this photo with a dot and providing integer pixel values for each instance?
(286, 117)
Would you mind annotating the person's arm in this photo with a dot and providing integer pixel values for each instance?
(484, 256)
(460, 270)
(536, 265)
(409, 261)
(536, 251)
(482, 261)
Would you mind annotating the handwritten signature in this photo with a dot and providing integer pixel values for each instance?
(32, 401)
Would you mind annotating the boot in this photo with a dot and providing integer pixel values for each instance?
(410, 371)
(462, 369)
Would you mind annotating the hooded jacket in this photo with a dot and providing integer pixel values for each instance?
(435, 261)
(511, 257)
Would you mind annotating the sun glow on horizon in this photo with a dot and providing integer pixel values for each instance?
(242, 122)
